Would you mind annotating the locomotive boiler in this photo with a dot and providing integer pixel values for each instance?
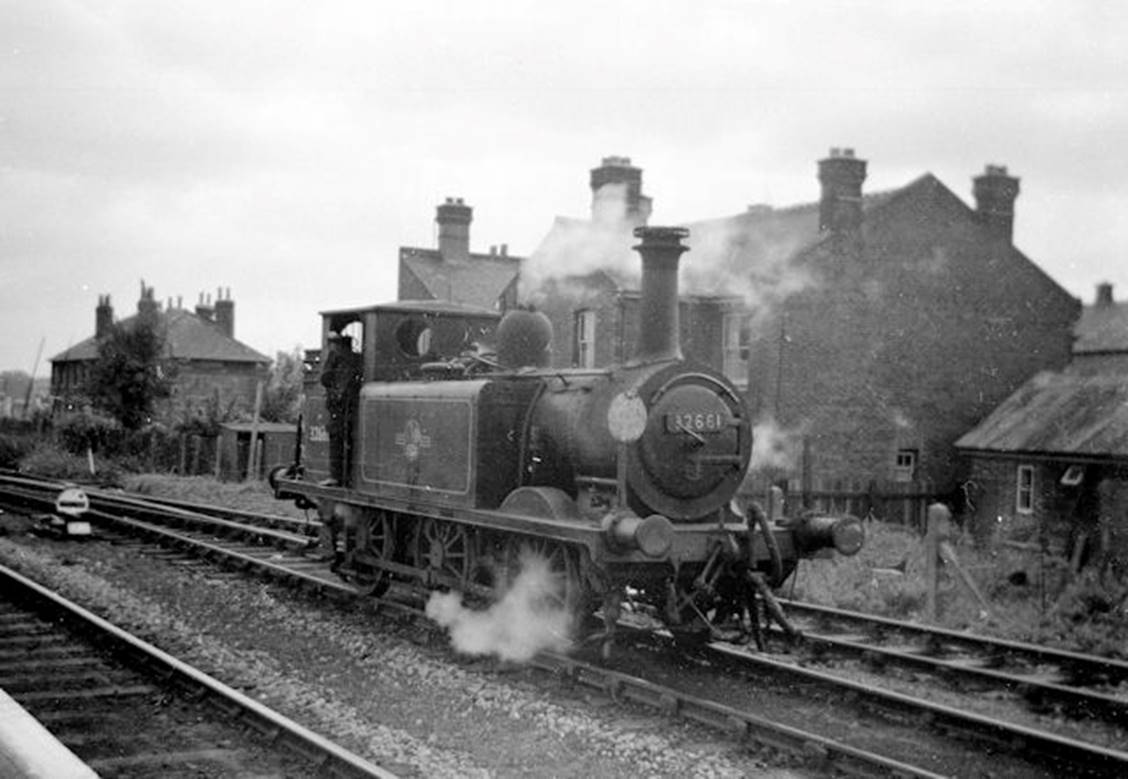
(464, 461)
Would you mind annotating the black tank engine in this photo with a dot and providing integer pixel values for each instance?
(463, 458)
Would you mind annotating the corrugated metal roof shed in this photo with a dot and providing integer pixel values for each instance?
(1064, 413)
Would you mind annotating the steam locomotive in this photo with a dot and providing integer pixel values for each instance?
(464, 461)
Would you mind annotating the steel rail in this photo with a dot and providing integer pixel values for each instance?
(1069, 754)
(828, 754)
(983, 660)
(1062, 750)
(811, 747)
(274, 727)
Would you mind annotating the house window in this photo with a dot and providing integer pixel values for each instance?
(1073, 476)
(734, 345)
(904, 467)
(1024, 490)
(585, 339)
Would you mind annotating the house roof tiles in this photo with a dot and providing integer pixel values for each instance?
(480, 281)
(187, 337)
(1102, 328)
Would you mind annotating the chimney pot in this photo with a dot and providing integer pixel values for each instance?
(454, 218)
(103, 316)
(841, 176)
(225, 314)
(617, 171)
(995, 192)
(1104, 294)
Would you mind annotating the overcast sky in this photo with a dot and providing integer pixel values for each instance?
(287, 149)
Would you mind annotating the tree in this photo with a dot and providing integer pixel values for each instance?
(128, 377)
(281, 400)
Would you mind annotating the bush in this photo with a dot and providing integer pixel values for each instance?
(13, 448)
(79, 432)
(52, 462)
(1092, 614)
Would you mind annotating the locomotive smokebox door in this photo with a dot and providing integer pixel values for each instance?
(626, 417)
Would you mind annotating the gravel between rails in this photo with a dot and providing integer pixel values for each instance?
(390, 695)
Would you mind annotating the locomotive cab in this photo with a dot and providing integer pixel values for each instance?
(394, 342)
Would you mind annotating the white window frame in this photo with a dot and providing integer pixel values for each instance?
(905, 464)
(585, 338)
(1024, 489)
(734, 347)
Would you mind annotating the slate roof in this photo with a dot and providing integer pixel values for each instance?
(187, 337)
(478, 281)
(1102, 328)
(1058, 413)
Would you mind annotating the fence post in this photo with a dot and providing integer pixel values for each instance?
(253, 451)
(218, 455)
(938, 529)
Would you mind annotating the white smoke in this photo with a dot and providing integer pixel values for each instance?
(774, 448)
(527, 619)
(727, 258)
(578, 247)
(731, 259)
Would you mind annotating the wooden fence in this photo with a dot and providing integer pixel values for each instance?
(900, 503)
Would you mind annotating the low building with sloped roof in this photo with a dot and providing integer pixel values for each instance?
(1054, 455)
(201, 354)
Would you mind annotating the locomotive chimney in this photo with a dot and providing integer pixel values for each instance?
(661, 249)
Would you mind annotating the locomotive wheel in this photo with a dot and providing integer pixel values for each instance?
(443, 550)
(375, 543)
(566, 590)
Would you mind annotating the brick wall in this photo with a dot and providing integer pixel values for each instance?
(909, 343)
(198, 383)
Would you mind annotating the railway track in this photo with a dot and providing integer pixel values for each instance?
(283, 554)
(128, 709)
(1070, 683)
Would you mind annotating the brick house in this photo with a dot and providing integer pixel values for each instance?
(201, 351)
(1053, 457)
(870, 329)
(452, 272)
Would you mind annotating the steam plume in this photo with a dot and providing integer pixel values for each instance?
(737, 257)
(527, 619)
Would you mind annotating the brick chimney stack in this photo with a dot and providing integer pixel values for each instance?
(204, 308)
(453, 218)
(626, 181)
(147, 305)
(225, 311)
(995, 192)
(103, 316)
(840, 206)
(1104, 294)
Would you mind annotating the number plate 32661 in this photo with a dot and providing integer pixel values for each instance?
(696, 422)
